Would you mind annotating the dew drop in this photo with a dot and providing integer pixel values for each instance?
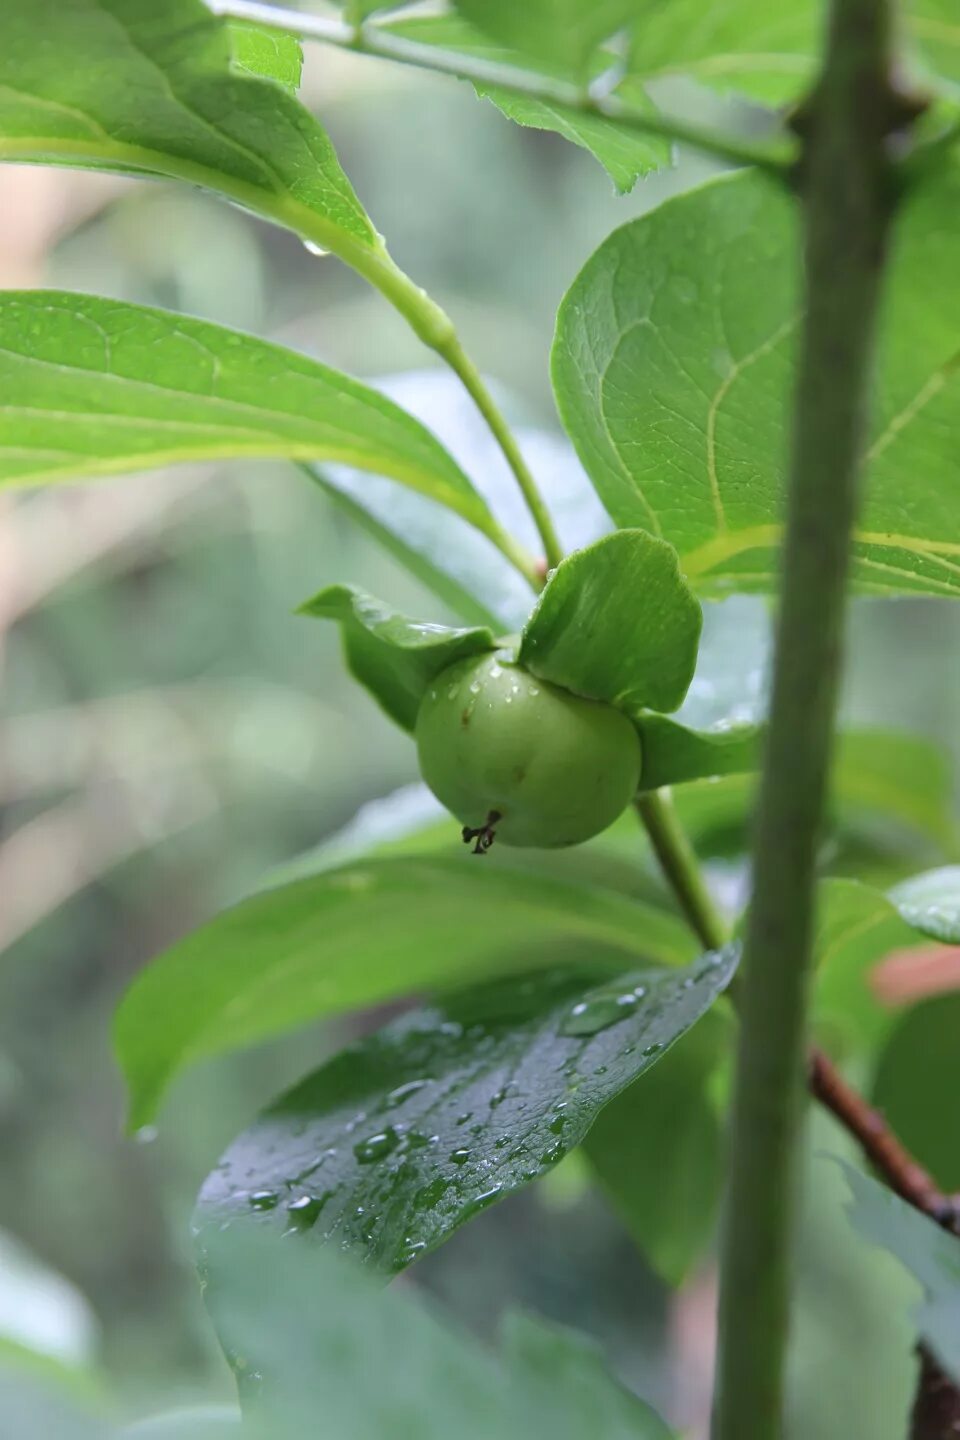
(305, 1209)
(264, 1200)
(460, 1157)
(403, 1092)
(599, 1011)
(651, 1049)
(376, 1147)
(313, 249)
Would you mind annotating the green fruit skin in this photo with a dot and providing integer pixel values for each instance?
(556, 767)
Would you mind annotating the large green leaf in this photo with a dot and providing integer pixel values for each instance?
(324, 1340)
(623, 151)
(395, 658)
(398, 1141)
(916, 1080)
(929, 1253)
(626, 584)
(97, 387)
(360, 934)
(268, 54)
(154, 85)
(935, 31)
(674, 754)
(857, 927)
(459, 565)
(673, 366)
(657, 1150)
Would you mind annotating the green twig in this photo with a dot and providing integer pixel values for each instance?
(381, 42)
(679, 863)
(846, 191)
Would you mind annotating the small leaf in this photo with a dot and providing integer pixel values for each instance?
(931, 903)
(395, 658)
(657, 1151)
(462, 567)
(96, 387)
(154, 86)
(674, 362)
(360, 934)
(399, 1140)
(929, 1253)
(626, 584)
(375, 1363)
(673, 755)
(623, 151)
(266, 53)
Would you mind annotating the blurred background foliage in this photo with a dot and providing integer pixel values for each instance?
(169, 731)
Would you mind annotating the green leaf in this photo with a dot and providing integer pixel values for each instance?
(267, 54)
(856, 927)
(764, 51)
(918, 1071)
(395, 658)
(625, 584)
(657, 1151)
(402, 1138)
(375, 1363)
(560, 32)
(462, 567)
(154, 86)
(673, 755)
(673, 365)
(358, 935)
(96, 387)
(931, 903)
(623, 151)
(935, 32)
(929, 1253)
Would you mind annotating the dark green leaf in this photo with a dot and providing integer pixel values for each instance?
(931, 903)
(460, 566)
(154, 85)
(917, 1081)
(375, 1363)
(657, 1150)
(930, 1254)
(360, 934)
(673, 365)
(267, 54)
(96, 387)
(414, 1130)
(623, 151)
(626, 584)
(395, 658)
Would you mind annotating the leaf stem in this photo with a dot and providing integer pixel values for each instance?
(378, 41)
(846, 191)
(679, 863)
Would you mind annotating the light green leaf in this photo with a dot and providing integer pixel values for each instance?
(935, 30)
(657, 1151)
(361, 934)
(398, 1141)
(267, 54)
(929, 1253)
(461, 566)
(559, 32)
(622, 150)
(626, 584)
(395, 658)
(673, 365)
(764, 51)
(152, 85)
(375, 1363)
(96, 387)
(931, 903)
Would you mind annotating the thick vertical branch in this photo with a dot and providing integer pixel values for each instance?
(846, 192)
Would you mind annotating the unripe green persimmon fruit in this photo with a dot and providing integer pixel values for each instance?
(513, 756)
